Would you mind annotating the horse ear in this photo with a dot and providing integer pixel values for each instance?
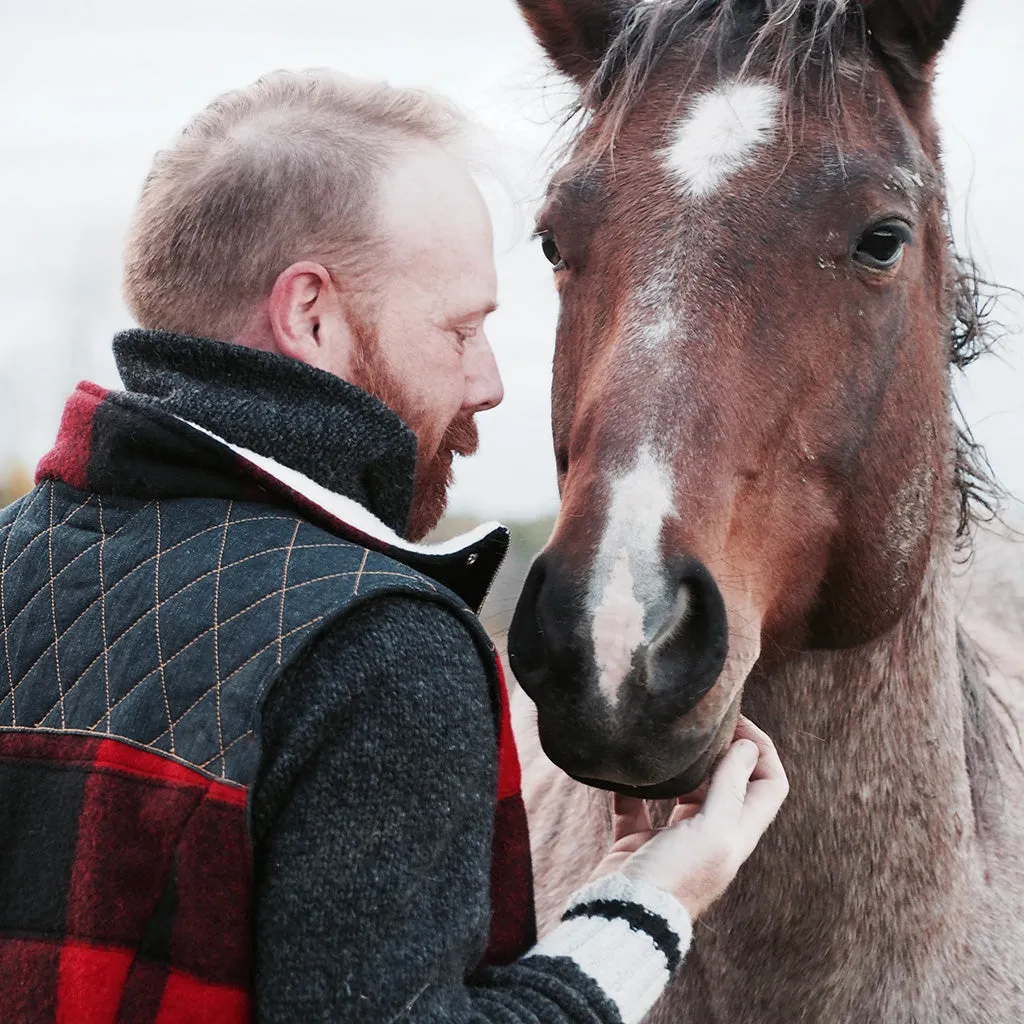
(575, 33)
(912, 32)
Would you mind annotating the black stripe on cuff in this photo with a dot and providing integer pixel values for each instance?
(639, 918)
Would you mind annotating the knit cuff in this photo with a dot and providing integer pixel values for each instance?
(626, 935)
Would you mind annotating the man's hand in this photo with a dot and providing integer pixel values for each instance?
(711, 832)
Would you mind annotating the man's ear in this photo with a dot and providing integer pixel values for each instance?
(307, 320)
(911, 33)
(575, 33)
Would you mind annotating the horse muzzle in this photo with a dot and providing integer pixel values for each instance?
(622, 696)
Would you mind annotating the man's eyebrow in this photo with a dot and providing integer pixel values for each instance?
(477, 311)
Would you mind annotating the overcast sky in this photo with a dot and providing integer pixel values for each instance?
(90, 90)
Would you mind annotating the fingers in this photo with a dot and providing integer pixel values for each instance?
(698, 855)
(683, 812)
(764, 799)
(769, 763)
(630, 815)
(740, 800)
(746, 730)
(767, 790)
(728, 789)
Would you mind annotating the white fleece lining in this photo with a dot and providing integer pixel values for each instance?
(345, 509)
(627, 964)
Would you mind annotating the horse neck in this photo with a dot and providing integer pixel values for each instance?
(878, 835)
(885, 717)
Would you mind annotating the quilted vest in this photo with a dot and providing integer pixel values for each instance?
(137, 642)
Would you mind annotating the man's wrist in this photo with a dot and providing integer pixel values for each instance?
(627, 935)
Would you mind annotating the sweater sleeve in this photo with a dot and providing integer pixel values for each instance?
(372, 824)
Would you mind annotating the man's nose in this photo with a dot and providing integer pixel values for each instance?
(484, 389)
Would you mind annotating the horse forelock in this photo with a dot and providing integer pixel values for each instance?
(791, 42)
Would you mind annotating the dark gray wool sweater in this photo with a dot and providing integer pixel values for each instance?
(373, 808)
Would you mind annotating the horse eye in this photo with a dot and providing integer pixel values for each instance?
(551, 251)
(881, 247)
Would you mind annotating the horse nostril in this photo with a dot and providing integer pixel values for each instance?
(687, 656)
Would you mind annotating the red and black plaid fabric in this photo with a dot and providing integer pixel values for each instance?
(513, 925)
(123, 893)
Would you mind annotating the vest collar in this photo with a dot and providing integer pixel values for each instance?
(466, 565)
(204, 419)
(302, 418)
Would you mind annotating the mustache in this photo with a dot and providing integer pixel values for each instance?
(462, 437)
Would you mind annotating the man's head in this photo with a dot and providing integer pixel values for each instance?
(334, 222)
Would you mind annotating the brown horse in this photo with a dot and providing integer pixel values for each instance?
(762, 483)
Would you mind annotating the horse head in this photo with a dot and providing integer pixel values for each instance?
(751, 399)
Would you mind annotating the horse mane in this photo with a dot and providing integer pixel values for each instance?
(974, 331)
(799, 44)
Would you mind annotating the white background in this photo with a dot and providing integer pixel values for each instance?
(89, 91)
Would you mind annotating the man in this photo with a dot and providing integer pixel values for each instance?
(255, 756)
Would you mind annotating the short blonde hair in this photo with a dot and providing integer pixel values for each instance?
(283, 170)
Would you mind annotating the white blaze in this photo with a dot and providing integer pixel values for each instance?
(654, 322)
(627, 575)
(721, 134)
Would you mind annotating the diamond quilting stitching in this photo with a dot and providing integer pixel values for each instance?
(284, 591)
(229, 661)
(206, 632)
(224, 753)
(3, 622)
(52, 578)
(53, 609)
(276, 641)
(167, 600)
(146, 561)
(103, 617)
(156, 622)
(216, 633)
(39, 536)
(241, 668)
(316, 620)
(362, 569)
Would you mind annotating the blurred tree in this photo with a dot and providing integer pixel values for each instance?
(14, 482)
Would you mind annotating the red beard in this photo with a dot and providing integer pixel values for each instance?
(434, 462)
(434, 475)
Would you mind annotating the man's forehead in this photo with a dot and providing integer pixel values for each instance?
(435, 231)
(468, 290)
(444, 231)
(448, 260)
(425, 190)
